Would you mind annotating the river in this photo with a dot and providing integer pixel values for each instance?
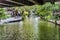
(32, 28)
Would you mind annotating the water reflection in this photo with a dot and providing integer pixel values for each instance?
(30, 29)
(48, 31)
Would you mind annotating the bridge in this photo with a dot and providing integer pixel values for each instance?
(11, 3)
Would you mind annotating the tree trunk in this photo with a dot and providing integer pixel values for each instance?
(0, 20)
(55, 22)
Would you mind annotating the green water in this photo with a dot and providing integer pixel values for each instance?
(29, 29)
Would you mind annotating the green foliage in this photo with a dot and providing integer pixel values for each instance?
(56, 7)
(2, 13)
(46, 10)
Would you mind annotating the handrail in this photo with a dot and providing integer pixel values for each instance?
(32, 1)
(15, 2)
(5, 4)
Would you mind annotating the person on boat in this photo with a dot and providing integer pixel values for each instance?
(21, 13)
(23, 16)
(26, 13)
(13, 12)
(17, 13)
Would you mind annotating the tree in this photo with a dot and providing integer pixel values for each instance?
(44, 10)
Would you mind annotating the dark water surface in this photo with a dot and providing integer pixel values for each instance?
(30, 29)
